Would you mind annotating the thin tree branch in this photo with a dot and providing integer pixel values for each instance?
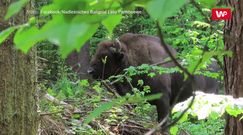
(57, 102)
(185, 71)
(182, 113)
(159, 126)
(150, 132)
(169, 52)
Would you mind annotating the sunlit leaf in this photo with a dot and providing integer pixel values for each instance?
(26, 37)
(5, 34)
(119, 101)
(111, 21)
(97, 112)
(15, 8)
(145, 98)
(174, 130)
(208, 3)
(161, 9)
(205, 58)
(234, 110)
(68, 35)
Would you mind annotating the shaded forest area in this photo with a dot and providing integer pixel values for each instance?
(45, 87)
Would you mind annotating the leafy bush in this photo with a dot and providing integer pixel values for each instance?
(206, 116)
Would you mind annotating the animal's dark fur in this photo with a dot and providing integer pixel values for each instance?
(207, 84)
(80, 61)
(135, 50)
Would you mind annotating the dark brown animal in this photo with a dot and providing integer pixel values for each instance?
(112, 57)
(80, 61)
(207, 84)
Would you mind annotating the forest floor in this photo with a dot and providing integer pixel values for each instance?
(66, 117)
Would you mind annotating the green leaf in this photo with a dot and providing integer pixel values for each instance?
(69, 35)
(161, 9)
(26, 37)
(76, 116)
(233, 111)
(140, 83)
(135, 99)
(140, 3)
(208, 3)
(228, 53)
(15, 8)
(183, 118)
(5, 34)
(174, 130)
(206, 57)
(51, 92)
(84, 83)
(111, 21)
(119, 101)
(97, 112)
(104, 60)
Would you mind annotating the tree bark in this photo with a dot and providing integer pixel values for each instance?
(18, 108)
(234, 65)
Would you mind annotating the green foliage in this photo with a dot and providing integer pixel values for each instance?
(104, 60)
(79, 129)
(174, 130)
(22, 39)
(148, 69)
(66, 89)
(111, 21)
(234, 110)
(206, 114)
(76, 33)
(50, 64)
(98, 111)
(136, 98)
(191, 34)
(100, 35)
(187, 31)
(136, 23)
(78, 29)
(201, 127)
(161, 9)
(208, 3)
(5, 34)
(15, 8)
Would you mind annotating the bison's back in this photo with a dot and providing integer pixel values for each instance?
(144, 49)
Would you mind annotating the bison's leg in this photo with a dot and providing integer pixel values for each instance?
(163, 107)
(160, 84)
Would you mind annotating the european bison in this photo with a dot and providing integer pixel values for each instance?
(112, 57)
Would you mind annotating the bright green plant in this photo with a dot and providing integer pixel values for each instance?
(206, 114)
(78, 29)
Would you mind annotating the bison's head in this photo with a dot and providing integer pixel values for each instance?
(108, 60)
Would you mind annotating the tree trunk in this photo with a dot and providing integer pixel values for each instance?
(18, 108)
(234, 65)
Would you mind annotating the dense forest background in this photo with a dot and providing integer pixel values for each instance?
(188, 36)
(58, 97)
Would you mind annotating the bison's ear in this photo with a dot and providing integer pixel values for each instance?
(117, 53)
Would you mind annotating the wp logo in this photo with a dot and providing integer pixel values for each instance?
(221, 13)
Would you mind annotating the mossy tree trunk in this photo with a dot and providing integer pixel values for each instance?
(18, 108)
(234, 65)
